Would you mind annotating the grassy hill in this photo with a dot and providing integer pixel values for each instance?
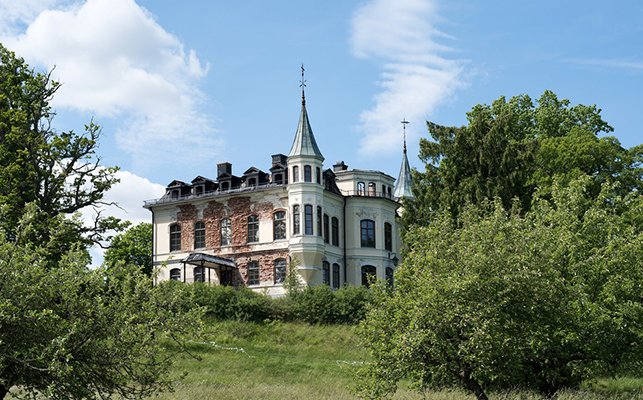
(242, 360)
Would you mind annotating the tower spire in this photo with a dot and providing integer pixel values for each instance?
(404, 122)
(403, 183)
(304, 143)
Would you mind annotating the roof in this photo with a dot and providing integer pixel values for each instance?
(403, 183)
(304, 143)
(208, 260)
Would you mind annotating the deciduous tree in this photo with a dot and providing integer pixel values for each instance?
(134, 246)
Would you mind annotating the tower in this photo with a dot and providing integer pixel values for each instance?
(403, 183)
(305, 198)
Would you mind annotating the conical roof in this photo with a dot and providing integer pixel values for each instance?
(403, 183)
(304, 143)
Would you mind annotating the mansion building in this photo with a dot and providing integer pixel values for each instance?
(335, 226)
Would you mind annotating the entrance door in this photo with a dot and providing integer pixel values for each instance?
(225, 277)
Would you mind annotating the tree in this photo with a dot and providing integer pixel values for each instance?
(75, 333)
(512, 148)
(505, 299)
(58, 171)
(134, 247)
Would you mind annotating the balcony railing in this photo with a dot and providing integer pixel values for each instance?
(212, 193)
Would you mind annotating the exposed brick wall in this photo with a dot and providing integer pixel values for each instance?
(186, 218)
(266, 260)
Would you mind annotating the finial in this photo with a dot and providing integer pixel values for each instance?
(302, 85)
(404, 122)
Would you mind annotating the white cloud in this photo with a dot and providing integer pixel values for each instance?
(401, 35)
(609, 63)
(116, 61)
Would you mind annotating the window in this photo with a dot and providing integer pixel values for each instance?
(175, 274)
(319, 221)
(372, 191)
(368, 274)
(279, 179)
(199, 274)
(361, 188)
(318, 171)
(326, 271)
(225, 185)
(307, 174)
(383, 190)
(175, 237)
(335, 276)
(308, 219)
(335, 227)
(199, 235)
(279, 225)
(368, 233)
(296, 217)
(252, 182)
(253, 273)
(198, 190)
(388, 192)
(389, 276)
(326, 229)
(295, 174)
(388, 236)
(280, 271)
(253, 229)
(226, 232)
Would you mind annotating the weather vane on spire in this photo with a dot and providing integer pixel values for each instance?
(404, 122)
(302, 85)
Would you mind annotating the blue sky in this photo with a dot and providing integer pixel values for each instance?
(180, 86)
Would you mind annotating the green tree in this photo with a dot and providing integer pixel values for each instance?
(58, 171)
(510, 149)
(539, 300)
(134, 247)
(74, 333)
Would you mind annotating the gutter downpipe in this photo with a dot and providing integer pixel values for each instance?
(344, 234)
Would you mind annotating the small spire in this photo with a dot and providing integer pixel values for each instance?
(302, 85)
(404, 122)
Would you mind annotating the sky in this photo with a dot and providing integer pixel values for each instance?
(181, 86)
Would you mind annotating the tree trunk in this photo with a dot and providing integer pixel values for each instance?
(472, 385)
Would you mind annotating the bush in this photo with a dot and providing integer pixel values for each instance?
(225, 302)
(321, 305)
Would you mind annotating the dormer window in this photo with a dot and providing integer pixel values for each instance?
(279, 179)
(174, 194)
(198, 190)
(225, 185)
(252, 182)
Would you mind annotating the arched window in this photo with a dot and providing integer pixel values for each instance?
(326, 229)
(279, 225)
(326, 271)
(308, 219)
(253, 273)
(253, 229)
(308, 174)
(226, 232)
(175, 274)
(296, 220)
(336, 278)
(372, 191)
(367, 228)
(199, 274)
(199, 235)
(383, 190)
(318, 175)
(280, 271)
(368, 274)
(175, 237)
(361, 188)
(388, 236)
(389, 276)
(335, 228)
(295, 174)
(319, 221)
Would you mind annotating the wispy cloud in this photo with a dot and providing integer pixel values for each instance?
(609, 63)
(117, 62)
(415, 78)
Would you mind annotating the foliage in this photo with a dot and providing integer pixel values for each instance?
(321, 305)
(540, 301)
(134, 247)
(510, 149)
(74, 333)
(225, 302)
(57, 171)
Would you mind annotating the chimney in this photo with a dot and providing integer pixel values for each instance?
(278, 159)
(223, 168)
(340, 166)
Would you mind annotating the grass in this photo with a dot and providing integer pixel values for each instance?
(241, 360)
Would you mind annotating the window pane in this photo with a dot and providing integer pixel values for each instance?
(335, 223)
(253, 273)
(335, 276)
(318, 175)
(389, 276)
(388, 236)
(295, 174)
(371, 189)
(361, 188)
(296, 218)
(368, 272)
(368, 233)
(326, 229)
(199, 235)
(199, 274)
(226, 232)
(279, 225)
(308, 219)
(326, 270)
(319, 221)
(280, 271)
(175, 274)
(175, 237)
(307, 174)
(253, 229)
